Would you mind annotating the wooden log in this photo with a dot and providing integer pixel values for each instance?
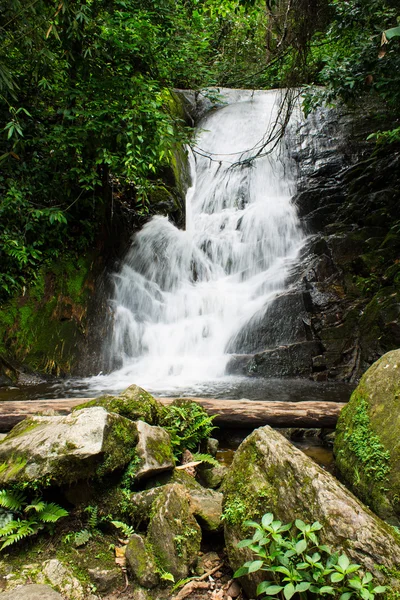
(235, 414)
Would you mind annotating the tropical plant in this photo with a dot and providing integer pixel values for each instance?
(187, 423)
(20, 519)
(299, 566)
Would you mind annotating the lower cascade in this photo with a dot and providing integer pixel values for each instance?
(182, 296)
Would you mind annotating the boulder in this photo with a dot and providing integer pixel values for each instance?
(105, 580)
(269, 474)
(206, 505)
(141, 562)
(31, 592)
(173, 533)
(134, 403)
(62, 578)
(367, 449)
(62, 450)
(211, 477)
(153, 450)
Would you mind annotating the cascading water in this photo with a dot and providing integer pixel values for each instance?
(182, 295)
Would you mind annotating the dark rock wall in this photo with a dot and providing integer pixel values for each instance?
(342, 310)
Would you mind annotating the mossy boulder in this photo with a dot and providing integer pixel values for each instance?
(60, 450)
(206, 505)
(32, 592)
(141, 562)
(134, 403)
(367, 448)
(269, 474)
(153, 451)
(173, 534)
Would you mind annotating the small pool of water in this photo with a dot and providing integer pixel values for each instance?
(231, 388)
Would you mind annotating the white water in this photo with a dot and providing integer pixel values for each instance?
(181, 296)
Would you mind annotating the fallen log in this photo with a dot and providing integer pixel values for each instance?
(235, 414)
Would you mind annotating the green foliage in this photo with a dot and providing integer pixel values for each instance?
(353, 58)
(298, 566)
(127, 530)
(206, 458)
(19, 519)
(366, 445)
(187, 423)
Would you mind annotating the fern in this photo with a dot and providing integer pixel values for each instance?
(92, 521)
(206, 458)
(51, 513)
(13, 501)
(127, 530)
(14, 528)
(187, 423)
(82, 537)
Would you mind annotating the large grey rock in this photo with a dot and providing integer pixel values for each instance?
(154, 450)
(173, 533)
(205, 504)
(141, 562)
(62, 578)
(269, 474)
(32, 592)
(105, 580)
(61, 450)
(367, 448)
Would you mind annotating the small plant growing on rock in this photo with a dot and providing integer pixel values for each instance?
(299, 567)
(187, 424)
(20, 519)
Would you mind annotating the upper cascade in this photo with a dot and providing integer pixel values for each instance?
(182, 295)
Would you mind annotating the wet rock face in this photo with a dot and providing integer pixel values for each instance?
(344, 289)
(269, 474)
(366, 447)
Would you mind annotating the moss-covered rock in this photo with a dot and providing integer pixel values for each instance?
(173, 533)
(141, 562)
(269, 474)
(61, 450)
(134, 403)
(153, 450)
(206, 505)
(367, 446)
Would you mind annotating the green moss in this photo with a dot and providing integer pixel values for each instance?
(120, 447)
(43, 327)
(134, 404)
(366, 445)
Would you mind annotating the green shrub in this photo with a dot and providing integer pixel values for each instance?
(298, 566)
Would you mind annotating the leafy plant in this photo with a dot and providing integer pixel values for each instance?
(298, 566)
(80, 538)
(205, 458)
(188, 424)
(127, 530)
(20, 519)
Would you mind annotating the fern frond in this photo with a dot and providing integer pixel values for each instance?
(21, 529)
(92, 521)
(9, 527)
(82, 537)
(206, 458)
(51, 512)
(11, 500)
(127, 530)
(37, 505)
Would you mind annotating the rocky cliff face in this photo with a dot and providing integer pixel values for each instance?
(342, 310)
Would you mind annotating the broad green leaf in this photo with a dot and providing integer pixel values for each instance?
(327, 589)
(272, 590)
(289, 591)
(343, 562)
(264, 585)
(267, 519)
(380, 589)
(240, 572)
(301, 546)
(300, 524)
(335, 577)
(393, 32)
(255, 566)
(303, 586)
(346, 596)
(244, 543)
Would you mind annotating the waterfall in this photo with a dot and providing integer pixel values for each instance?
(181, 296)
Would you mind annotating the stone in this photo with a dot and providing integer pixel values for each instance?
(32, 592)
(234, 590)
(367, 449)
(173, 533)
(154, 451)
(61, 450)
(62, 578)
(211, 477)
(280, 322)
(285, 361)
(141, 562)
(269, 474)
(205, 504)
(134, 403)
(105, 580)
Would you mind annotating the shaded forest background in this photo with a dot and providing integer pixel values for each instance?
(88, 119)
